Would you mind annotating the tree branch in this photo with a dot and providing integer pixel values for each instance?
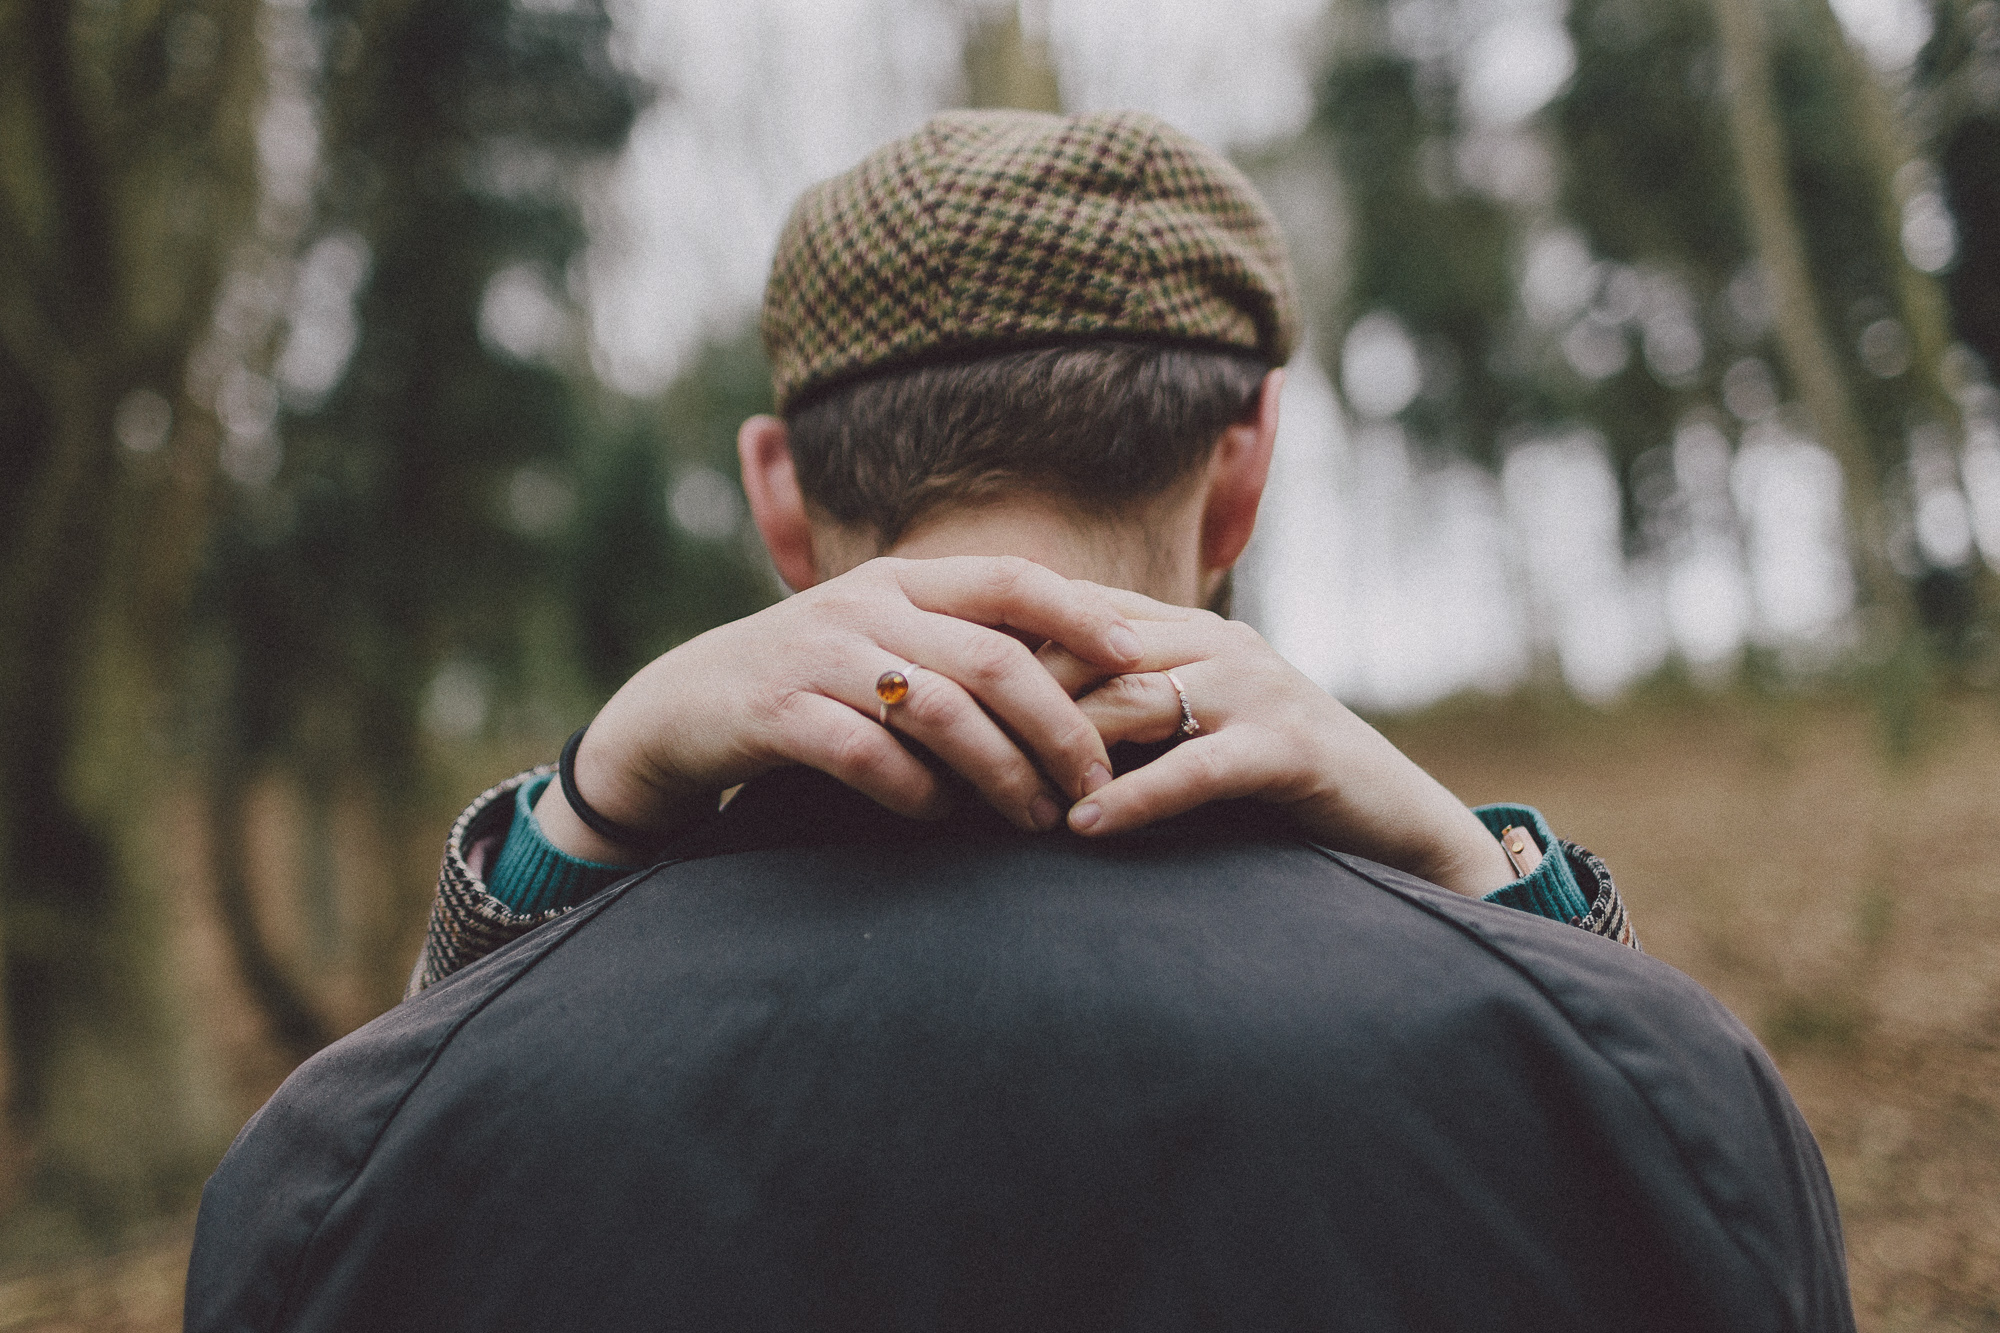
(84, 234)
(294, 1023)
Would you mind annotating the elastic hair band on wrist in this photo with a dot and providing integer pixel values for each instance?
(603, 826)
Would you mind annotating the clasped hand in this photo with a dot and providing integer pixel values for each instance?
(794, 684)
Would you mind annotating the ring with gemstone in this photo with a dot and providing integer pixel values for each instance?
(891, 688)
(1189, 727)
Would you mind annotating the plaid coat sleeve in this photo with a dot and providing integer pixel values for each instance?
(467, 922)
(1607, 915)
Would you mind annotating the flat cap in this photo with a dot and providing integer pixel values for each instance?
(1003, 229)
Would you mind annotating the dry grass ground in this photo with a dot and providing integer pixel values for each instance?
(1847, 909)
(135, 1291)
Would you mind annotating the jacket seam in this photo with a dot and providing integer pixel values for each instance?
(1659, 1122)
(577, 919)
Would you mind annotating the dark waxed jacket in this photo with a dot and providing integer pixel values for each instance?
(831, 1070)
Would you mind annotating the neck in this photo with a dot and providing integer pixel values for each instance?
(1153, 550)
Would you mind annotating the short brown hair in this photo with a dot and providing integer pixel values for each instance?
(1099, 424)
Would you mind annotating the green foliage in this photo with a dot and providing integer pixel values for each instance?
(1645, 154)
(458, 508)
(1970, 158)
(1645, 141)
(1440, 259)
(640, 583)
(1958, 89)
(1852, 232)
(1648, 180)
(386, 545)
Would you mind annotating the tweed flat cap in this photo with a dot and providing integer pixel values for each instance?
(1000, 229)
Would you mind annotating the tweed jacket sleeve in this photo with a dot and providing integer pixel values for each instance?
(1607, 915)
(467, 922)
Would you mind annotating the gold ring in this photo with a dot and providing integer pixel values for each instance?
(1189, 727)
(891, 688)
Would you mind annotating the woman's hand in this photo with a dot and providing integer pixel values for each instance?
(795, 684)
(1268, 732)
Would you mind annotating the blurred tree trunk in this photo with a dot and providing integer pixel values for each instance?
(1919, 298)
(295, 1024)
(452, 138)
(1958, 80)
(1764, 174)
(129, 173)
(1008, 62)
(1885, 147)
(1955, 96)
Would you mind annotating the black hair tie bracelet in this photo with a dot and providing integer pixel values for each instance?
(602, 825)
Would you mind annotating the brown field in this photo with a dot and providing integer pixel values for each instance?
(1846, 907)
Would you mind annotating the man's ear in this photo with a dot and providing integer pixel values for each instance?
(1236, 474)
(771, 484)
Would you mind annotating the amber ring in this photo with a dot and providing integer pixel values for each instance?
(891, 688)
(1188, 727)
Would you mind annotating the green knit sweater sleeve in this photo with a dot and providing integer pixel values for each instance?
(532, 875)
(1551, 889)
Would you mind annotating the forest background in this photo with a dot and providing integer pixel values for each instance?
(369, 373)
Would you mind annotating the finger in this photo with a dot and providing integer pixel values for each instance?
(1142, 708)
(1006, 680)
(1216, 767)
(825, 734)
(1071, 673)
(1138, 606)
(1166, 642)
(1165, 645)
(940, 715)
(1076, 674)
(1021, 595)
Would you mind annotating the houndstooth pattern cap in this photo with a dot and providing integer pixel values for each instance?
(999, 229)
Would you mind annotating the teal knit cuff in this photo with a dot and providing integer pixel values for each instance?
(532, 874)
(1551, 890)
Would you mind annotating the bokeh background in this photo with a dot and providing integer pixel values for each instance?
(369, 372)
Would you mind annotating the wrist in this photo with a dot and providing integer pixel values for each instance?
(606, 808)
(532, 876)
(1375, 801)
(566, 831)
(1473, 862)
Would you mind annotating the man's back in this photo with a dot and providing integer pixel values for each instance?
(838, 1070)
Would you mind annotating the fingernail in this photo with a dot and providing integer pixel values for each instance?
(1085, 815)
(1124, 642)
(1045, 812)
(1096, 776)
